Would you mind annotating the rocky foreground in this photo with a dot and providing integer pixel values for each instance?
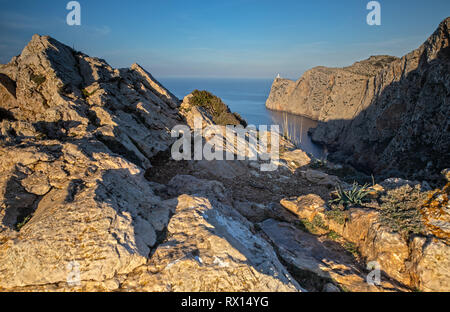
(385, 115)
(90, 199)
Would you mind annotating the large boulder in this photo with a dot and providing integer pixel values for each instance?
(211, 247)
(90, 212)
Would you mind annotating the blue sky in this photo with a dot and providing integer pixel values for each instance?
(224, 38)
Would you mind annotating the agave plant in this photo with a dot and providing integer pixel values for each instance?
(353, 196)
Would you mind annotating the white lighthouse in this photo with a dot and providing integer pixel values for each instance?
(278, 76)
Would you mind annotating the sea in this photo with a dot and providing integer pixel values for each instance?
(248, 97)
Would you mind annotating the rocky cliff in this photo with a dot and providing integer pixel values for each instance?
(90, 199)
(321, 92)
(384, 114)
(77, 213)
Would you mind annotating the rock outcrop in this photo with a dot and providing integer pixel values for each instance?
(321, 92)
(91, 199)
(384, 114)
(417, 261)
(211, 247)
(323, 258)
(211, 109)
(74, 142)
(77, 211)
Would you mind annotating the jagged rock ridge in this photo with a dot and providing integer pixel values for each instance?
(77, 137)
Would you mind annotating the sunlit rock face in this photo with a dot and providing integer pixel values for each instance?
(76, 209)
(76, 135)
(383, 114)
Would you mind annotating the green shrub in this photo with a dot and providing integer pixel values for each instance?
(38, 79)
(214, 106)
(21, 224)
(306, 226)
(241, 120)
(318, 222)
(337, 215)
(333, 235)
(400, 209)
(351, 248)
(87, 94)
(355, 196)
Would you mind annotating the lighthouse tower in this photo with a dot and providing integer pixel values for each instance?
(278, 76)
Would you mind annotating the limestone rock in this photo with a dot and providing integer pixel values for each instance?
(446, 174)
(185, 184)
(394, 183)
(305, 207)
(436, 213)
(254, 212)
(100, 220)
(306, 253)
(191, 113)
(221, 254)
(75, 137)
(126, 109)
(330, 288)
(313, 94)
(431, 261)
(384, 114)
(417, 262)
(158, 89)
(298, 157)
(321, 178)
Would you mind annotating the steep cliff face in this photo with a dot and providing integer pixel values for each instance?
(321, 93)
(383, 114)
(75, 136)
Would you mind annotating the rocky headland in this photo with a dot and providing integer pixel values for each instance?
(384, 115)
(91, 200)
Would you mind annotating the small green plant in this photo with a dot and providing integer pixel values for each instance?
(333, 235)
(351, 248)
(20, 225)
(355, 196)
(400, 209)
(318, 222)
(87, 94)
(306, 226)
(185, 109)
(337, 215)
(319, 163)
(38, 79)
(216, 108)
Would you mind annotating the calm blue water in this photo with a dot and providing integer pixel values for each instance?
(248, 97)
